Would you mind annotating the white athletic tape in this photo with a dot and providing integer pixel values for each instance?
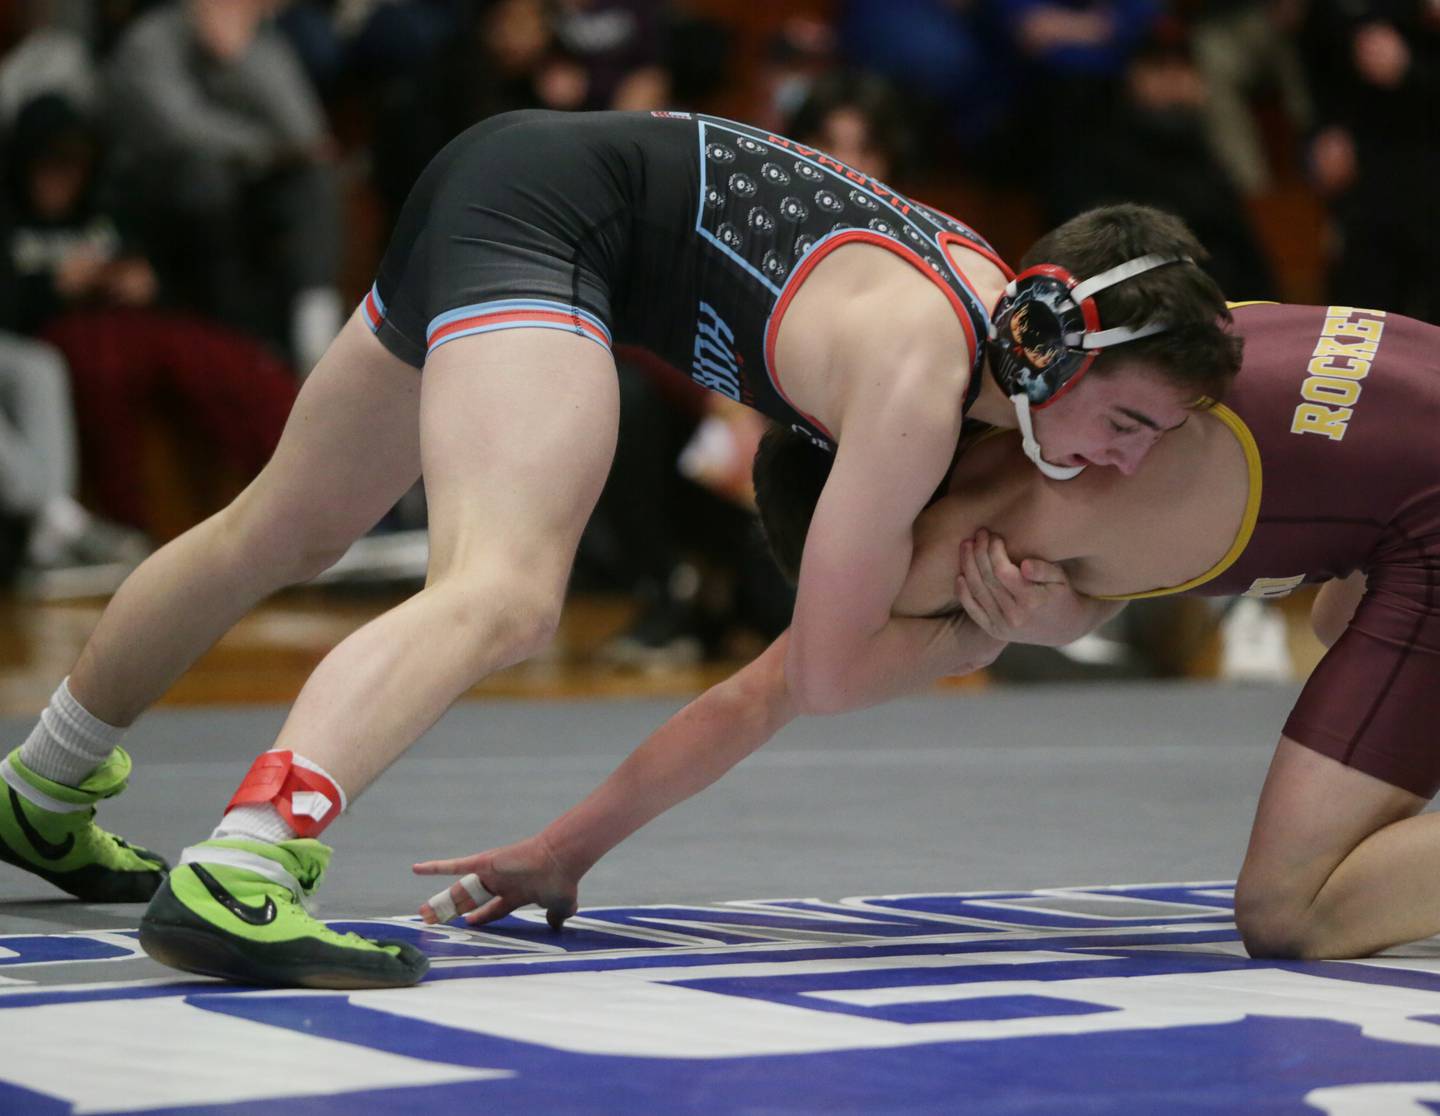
(444, 906)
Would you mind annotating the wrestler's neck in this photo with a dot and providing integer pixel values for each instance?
(991, 406)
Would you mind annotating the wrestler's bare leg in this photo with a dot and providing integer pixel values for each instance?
(517, 433)
(350, 449)
(1339, 863)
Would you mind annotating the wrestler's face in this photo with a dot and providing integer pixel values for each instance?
(1112, 418)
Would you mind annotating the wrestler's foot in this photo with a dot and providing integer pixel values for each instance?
(49, 829)
(236, 909)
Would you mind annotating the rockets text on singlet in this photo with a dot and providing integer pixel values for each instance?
(1343, 354)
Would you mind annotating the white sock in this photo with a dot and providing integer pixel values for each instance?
(255, 823)
(68, 742)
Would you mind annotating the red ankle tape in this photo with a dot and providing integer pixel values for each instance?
(307, 800)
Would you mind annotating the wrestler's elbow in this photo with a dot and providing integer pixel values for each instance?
(819, 697)
(818, 686)
(980, 658)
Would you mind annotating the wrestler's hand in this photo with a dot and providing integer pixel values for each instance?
(516, 875)
(1027, 603)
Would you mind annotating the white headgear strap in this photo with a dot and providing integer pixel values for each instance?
(1021, 402)
(1101, 338)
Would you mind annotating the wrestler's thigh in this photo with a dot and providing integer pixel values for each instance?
(518, 430)
(351, 446)
(1313, 813)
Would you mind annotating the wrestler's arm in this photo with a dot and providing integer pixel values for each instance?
(682, 757)
(896, 446)
(1334, 605)
(720, 728)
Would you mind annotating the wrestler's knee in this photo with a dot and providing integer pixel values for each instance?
(1278, 926)
(503, 617)
(1266, 929)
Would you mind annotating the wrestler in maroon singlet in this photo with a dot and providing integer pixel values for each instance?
(1344, 407)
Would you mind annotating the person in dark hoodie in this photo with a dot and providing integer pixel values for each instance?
(83, 284)
(1155, 149)
(50, 541)
(1374, 68)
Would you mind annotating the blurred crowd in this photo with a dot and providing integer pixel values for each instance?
(194, 194)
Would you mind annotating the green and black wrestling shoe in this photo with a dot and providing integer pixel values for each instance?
(236, 909)
(49, 830)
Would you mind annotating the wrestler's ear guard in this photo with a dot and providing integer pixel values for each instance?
(1045, 334)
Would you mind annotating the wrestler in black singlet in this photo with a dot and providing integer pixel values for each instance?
(683, 234)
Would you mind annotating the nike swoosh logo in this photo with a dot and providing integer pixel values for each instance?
(255, 916)
(48, 850)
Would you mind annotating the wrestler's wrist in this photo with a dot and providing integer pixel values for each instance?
(572, 853)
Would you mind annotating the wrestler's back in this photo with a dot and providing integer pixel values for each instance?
(1344, 405)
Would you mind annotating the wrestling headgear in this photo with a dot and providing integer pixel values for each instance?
(1045, 333)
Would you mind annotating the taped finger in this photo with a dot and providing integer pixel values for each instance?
(453, 900)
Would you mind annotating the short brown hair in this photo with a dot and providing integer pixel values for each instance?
(1198, 351)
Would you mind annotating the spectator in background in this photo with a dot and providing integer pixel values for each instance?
(620, 47)
(1069, 58)
(1375, 76)
(858, 118)
(64, 249)
(66, 547)
(506, 56)
(517, 54)
(51, 55)
(373, 41)
(221, 144)
(799, 51)
(1155, 149)
(85, 286)
(940, 54)
(1242, 47)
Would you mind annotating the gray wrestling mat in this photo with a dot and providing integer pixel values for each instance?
(1016, 788)
(964, 933)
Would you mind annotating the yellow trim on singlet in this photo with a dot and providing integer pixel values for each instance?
(1252, 302)
(1247, 523)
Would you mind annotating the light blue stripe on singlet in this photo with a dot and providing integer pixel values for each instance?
(522, 324)
(503, 304)
(372, 322)
(711, 237)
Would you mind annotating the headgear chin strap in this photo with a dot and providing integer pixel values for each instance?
(1032, 447)
(1045, 334)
